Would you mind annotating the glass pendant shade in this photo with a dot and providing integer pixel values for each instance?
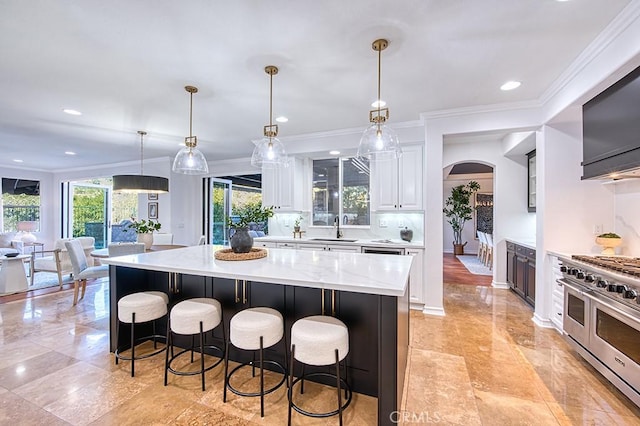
(379, 143)
(190, 161)
(269, 153)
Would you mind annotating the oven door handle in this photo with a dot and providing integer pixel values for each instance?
(575, 287)
(607, 304)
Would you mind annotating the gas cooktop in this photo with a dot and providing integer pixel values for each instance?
(623, 265)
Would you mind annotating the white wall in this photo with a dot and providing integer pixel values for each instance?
(468, 233)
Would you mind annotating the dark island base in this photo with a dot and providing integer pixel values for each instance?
(378, 325)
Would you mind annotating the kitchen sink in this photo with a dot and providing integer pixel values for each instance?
(333, 240)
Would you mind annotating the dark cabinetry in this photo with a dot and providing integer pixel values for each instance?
(521, 271)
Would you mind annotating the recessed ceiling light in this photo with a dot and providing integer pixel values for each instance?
(18, 161)
(71, 111)
(381, 102)
(510, 85)
(282, 119)
(334, 152)
(70, 153)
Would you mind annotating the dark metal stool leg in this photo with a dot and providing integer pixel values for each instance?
(166, 349)
(226, 372)
(261, 380)
(290, 390)
(133, 343)
(302, 380)
(193, 343)
(117, 338)
(338, 387)
(155, 344)
(201, 354)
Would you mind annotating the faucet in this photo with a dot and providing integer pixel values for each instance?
(336, 223)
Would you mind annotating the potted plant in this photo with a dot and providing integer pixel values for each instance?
(241, 241)
(144, 228)
(458, 211)
(609, 241)
(296, 224)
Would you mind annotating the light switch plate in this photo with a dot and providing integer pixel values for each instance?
(383, 223)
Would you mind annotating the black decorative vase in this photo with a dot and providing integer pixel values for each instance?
(241, 241)
(406, 234)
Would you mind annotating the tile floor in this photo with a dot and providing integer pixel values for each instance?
(483, 364)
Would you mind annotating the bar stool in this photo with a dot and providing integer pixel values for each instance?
(255, 329)
(193, 317)
(319, 340)
(138, 308)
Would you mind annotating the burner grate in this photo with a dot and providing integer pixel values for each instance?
(624, 265)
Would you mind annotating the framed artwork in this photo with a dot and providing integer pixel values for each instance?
(152, 196)
(153, 210)
(483, 213)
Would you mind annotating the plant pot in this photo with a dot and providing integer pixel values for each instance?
(458, 249)
(147, 239)
(296, 229)
(608, 245)
(241, 241)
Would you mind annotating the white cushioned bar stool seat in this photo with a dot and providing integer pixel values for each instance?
(137, 308)
(255, 329)
(193, 317)
(319, 341)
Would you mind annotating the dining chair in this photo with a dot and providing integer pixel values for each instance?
(489, 255)
(482, 245)
(81, 269)
(162, 239)
(202, 241)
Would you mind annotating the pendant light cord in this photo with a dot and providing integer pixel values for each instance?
(270, 103)
(190, 114)
(379, 78)
(141, 153)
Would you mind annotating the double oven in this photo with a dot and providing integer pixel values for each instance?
(602, 317)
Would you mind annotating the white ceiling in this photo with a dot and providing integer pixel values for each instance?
(125, 63)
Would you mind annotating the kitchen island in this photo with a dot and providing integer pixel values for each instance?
(368, 292)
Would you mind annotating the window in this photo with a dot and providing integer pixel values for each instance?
(341, 189)
(20, 202)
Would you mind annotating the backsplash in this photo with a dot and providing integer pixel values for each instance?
(383, 226)
(627, 219)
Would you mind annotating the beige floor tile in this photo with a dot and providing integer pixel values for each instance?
(34, 368)
(15, 410)
(503, 410)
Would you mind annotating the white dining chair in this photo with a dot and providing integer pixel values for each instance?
(489, 255)
(81, 269)
(482, 245)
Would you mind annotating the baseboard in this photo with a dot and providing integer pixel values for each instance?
(433, 311)
(541, 322)
(503, 286)
(416, 306)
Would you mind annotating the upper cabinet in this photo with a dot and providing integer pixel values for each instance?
(282, 187)
(397, 185)
(531, 181)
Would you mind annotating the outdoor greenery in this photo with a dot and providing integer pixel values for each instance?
(17, 208)
(457, 208)
(249, 213)
(609, 235)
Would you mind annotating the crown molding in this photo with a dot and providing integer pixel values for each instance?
(617, 26)
(481, 109)
(349, 131)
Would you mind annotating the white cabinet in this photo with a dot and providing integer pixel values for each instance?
(329, 247)
(557, 296)
(282, 187)
(416, 277)
(397, 185)
(264, 244)
(287, 245)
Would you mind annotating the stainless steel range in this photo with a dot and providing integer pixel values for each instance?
(602, 316)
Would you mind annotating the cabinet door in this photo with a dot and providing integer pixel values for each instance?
(287, 187)
(410, 178)
(319, 247)
(286, 245)
(265, 244)
(530, 293)
(270, 188)
(415, 278)
(384, 185)
(520, 275)
(345, 249)
(511, 267)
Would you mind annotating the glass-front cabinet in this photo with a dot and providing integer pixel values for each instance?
(531, 181)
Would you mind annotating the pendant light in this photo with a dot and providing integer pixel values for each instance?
(189, 160)
(140, 183)
(269, 151)
(379, 142)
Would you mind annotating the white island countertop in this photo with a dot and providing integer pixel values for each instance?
(379, 274)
